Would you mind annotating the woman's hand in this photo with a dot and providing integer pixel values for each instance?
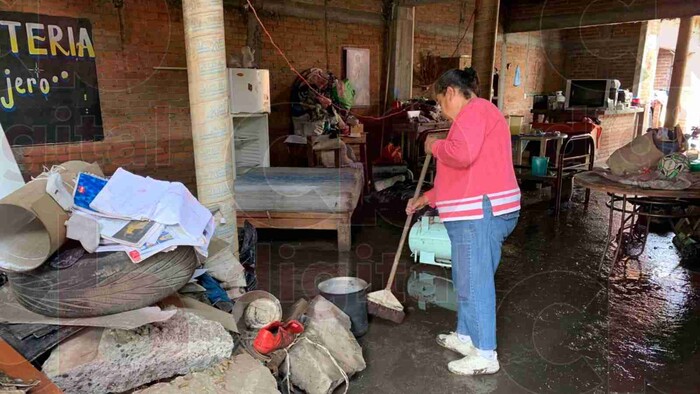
(429, 141)
(415, 204)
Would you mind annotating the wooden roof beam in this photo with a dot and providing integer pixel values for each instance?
(611, 13)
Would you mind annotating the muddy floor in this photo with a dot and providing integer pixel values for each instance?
(562, 326)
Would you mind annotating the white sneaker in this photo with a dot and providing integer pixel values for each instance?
(474, 364)
(451, 341)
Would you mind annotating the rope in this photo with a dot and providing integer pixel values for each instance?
(55, 169)
(298, 74)
(289, 369)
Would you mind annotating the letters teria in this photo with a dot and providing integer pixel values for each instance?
(41, 40)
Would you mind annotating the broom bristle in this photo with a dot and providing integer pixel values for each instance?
(385, 313)
(384, 304)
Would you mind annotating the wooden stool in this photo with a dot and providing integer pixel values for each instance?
(359, 147)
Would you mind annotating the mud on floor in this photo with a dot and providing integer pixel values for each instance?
(562, 327)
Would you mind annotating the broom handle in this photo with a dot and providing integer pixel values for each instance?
(407, 225)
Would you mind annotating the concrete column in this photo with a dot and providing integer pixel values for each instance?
(212, 127)
(402, 29)
(484, 43)
(647, 56)
(645, 70)
(503, 74)
(685, 33)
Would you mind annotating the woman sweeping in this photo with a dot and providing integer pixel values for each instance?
(478, 199)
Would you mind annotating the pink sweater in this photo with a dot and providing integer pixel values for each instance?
(474, 161)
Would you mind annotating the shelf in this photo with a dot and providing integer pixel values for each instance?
(248, 115)
(251, 140)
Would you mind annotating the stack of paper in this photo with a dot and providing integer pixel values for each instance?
(129, 232)
(143, 216)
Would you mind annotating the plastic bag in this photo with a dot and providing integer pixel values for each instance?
(638, 155)
(344, 94)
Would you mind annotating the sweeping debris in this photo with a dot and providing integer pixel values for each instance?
(383, 303)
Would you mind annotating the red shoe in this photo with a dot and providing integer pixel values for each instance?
(276, 335)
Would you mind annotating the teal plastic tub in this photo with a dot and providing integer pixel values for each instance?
(539, 165)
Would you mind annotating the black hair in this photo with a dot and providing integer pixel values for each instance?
(466, 81)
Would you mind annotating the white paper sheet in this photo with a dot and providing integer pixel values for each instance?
(197, 273)
(170, 238)
(168, 203)
(129, 195)
(295, 139)
(178, 206)
(203, 249)
(111, 248)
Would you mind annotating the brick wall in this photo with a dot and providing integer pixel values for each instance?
(618, 131)
(603, 52)
(540, 58)
(145, 112)
(450, 21)
(664, 65)
(304, 43)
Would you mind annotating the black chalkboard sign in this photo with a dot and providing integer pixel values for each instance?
(48, 80)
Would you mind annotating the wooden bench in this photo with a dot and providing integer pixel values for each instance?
(300, 198)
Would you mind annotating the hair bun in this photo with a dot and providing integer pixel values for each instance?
(470, 72)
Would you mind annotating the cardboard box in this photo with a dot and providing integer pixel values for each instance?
(33, 224)
(357, 130)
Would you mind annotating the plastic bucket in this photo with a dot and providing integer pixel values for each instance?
(539, 165)
(350, 295)
(695, 166)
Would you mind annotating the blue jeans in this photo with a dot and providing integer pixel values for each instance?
(476, 252)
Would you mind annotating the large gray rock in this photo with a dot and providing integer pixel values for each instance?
(240, 375)
(312, 369)
(111, 360)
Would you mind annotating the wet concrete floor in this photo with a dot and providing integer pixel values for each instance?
(562, 327)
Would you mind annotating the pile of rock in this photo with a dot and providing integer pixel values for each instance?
(199, 351)
(325, 347)
(109, 360)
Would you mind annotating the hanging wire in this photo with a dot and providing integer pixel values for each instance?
(298, 74)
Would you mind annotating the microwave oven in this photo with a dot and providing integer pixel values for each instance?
(591, 93)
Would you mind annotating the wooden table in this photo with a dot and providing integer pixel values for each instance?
(522, 140)
(595, 181)
(636, 206)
